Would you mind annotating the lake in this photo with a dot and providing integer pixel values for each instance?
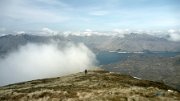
(107, 57)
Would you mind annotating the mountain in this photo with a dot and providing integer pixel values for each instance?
(10, 43)
(96, 85)
(132, 42)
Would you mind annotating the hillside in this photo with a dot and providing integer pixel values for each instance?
(98, 85)
(156, 68)
(132, 42)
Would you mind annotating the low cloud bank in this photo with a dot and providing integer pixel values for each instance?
(171, 34)
(34, 61)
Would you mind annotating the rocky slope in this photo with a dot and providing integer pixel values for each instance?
(97, 85)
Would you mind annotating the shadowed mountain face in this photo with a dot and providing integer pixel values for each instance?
(10, 43)
(96, 85)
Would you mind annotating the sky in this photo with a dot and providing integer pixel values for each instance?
(78, 15)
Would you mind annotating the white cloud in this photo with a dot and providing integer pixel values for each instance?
(24, 10)
(174, 35)
(34, 61)
(121, 32)
(66, 33)
(20, 32)
(47, 31)
(87, 32)
(171, 34)
(35, 15)
(171, 31)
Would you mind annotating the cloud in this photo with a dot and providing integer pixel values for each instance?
(172, 31)
(86, 32)
(20, 32)
(35, 61)
(121, 32)
(47, 31)
(96, 14)
(173, 35)
(33, 12)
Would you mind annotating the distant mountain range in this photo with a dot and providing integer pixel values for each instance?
(130, 43)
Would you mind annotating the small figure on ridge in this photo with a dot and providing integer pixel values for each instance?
(85, 71)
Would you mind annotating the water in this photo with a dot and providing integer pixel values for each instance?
(106, 57)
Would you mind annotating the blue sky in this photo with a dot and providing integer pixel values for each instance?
(99, 15)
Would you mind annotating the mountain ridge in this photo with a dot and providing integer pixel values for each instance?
(96, 85)
(130, 43)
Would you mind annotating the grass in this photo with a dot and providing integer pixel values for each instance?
(93, 86)
(177, 62)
